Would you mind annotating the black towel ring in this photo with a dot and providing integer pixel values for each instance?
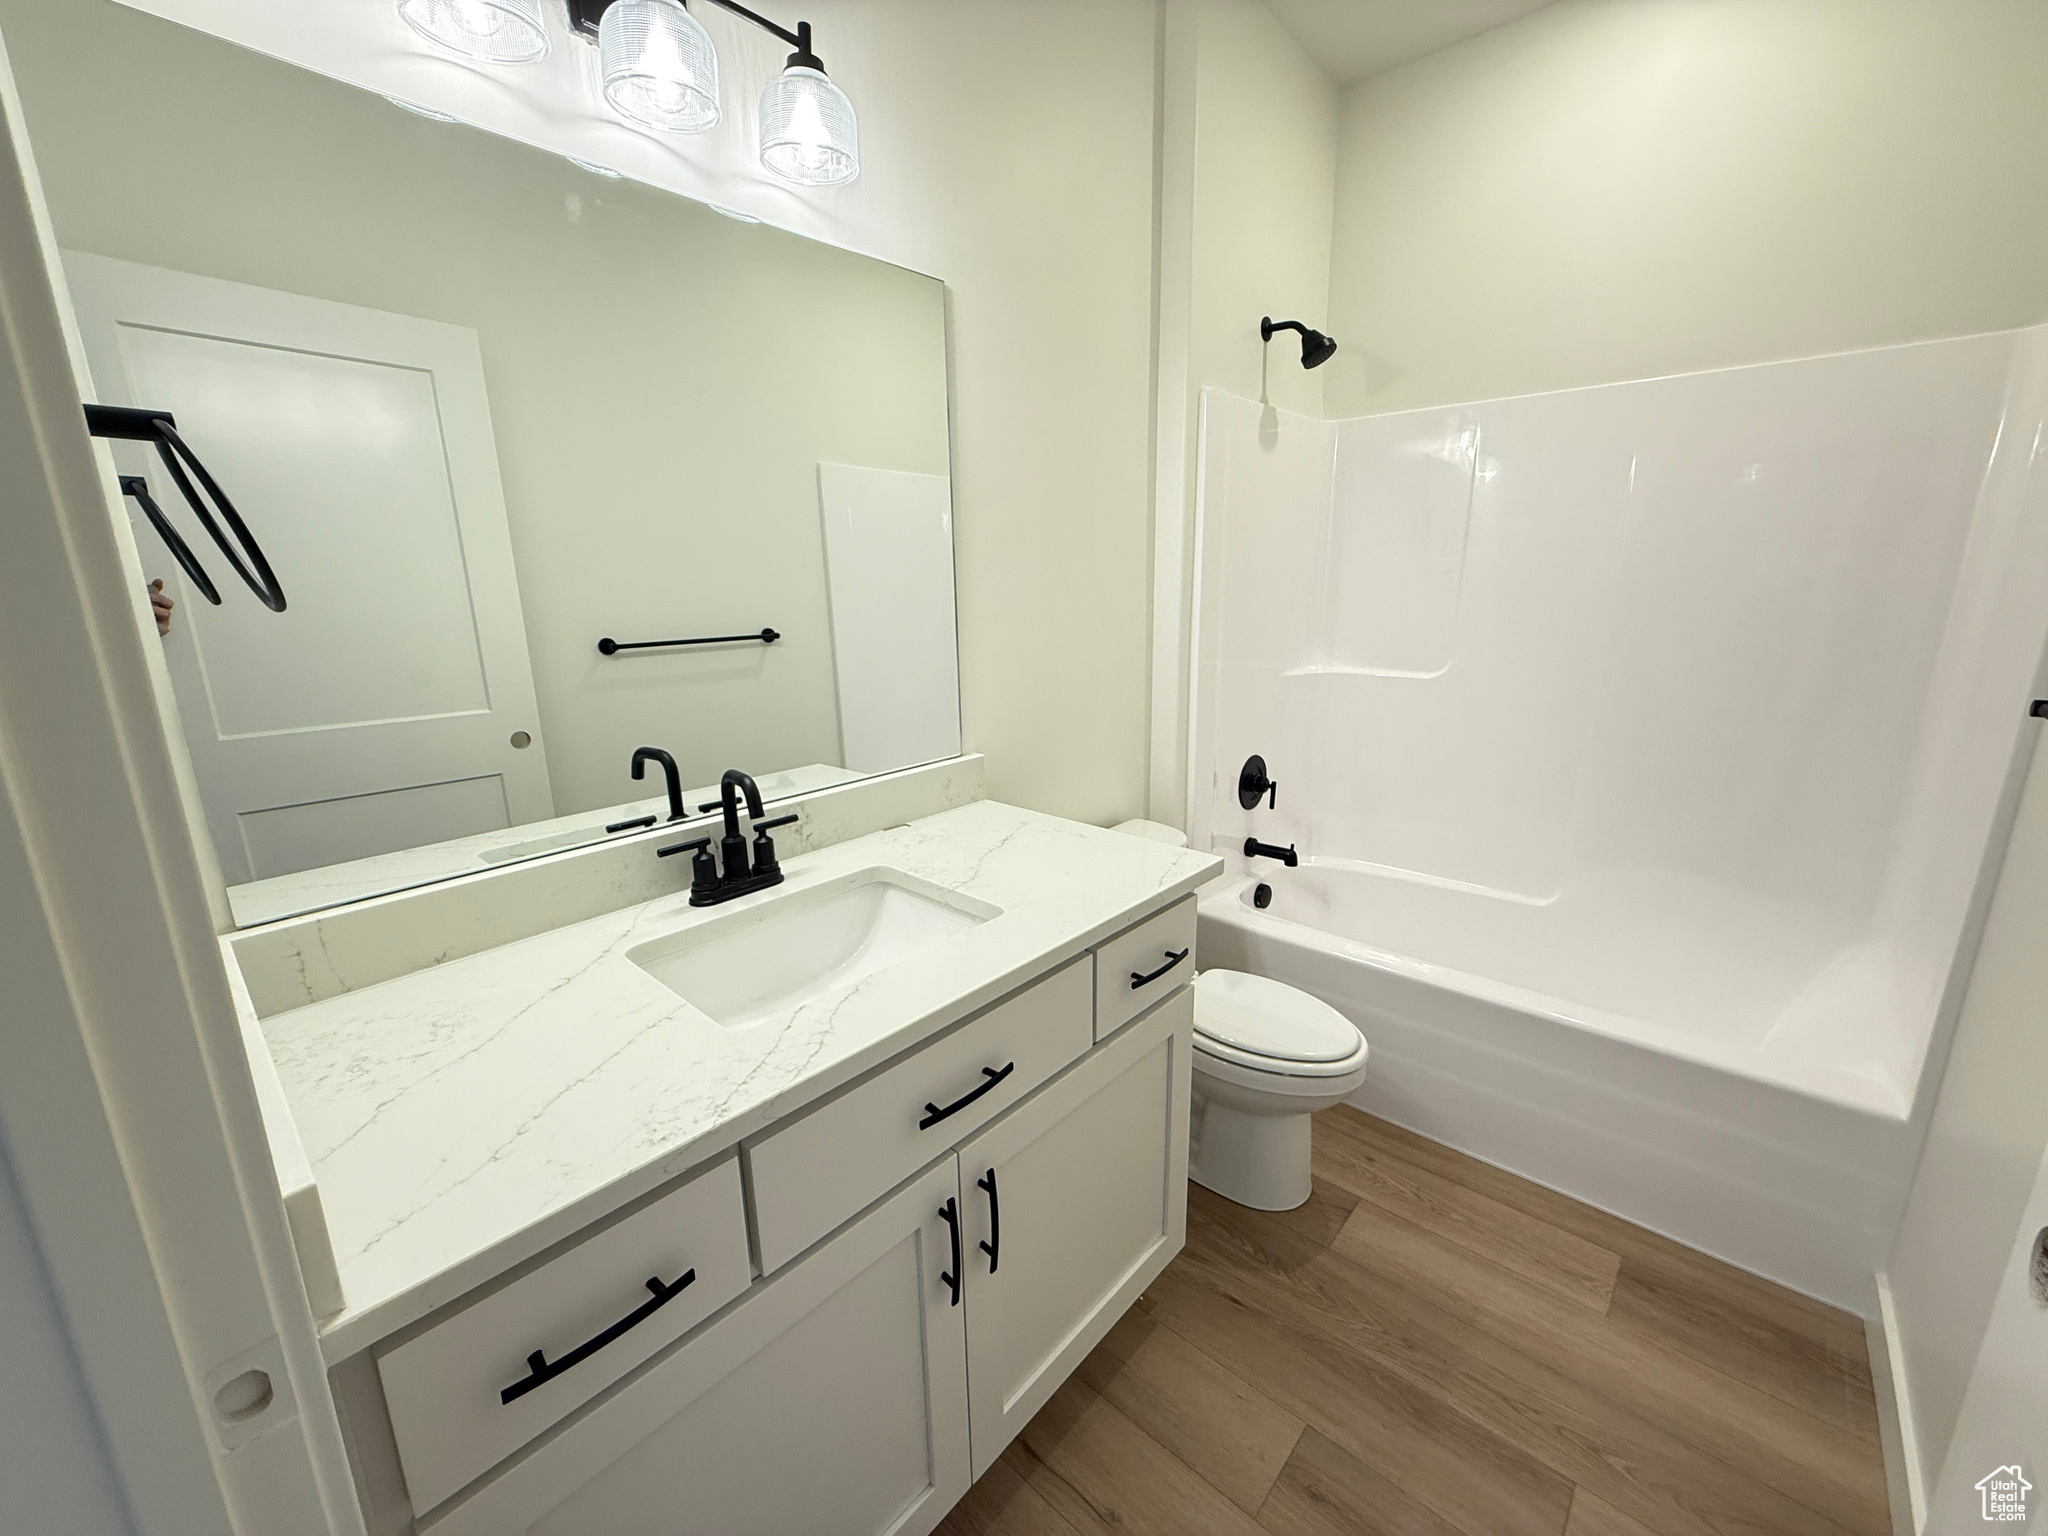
(160, 429)
(136, 486)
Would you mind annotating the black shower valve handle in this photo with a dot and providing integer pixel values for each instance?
(1252, 782)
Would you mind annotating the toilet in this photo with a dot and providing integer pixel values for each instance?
(1267, 1056)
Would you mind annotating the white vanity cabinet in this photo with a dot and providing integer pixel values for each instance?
(1076, 1199)
(936, 1246)
(808, 1177)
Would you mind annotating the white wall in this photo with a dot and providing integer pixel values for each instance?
(54, 1471)
(2004, 1418)
(1034, 205)
(1265, 175)
(1251, 145)
(1619, 189)
(1984, 1145)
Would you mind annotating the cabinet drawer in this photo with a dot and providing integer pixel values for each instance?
(1144, 950)
(831, 1401)
(445, 1388)
(810, 1176)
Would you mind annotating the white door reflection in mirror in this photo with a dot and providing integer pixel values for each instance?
(889, 572)
(379, 710)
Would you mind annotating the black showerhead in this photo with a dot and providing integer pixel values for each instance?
(1316, 348)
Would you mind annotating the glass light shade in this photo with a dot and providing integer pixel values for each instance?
(489, 31)
(658, 64)
(808, 132)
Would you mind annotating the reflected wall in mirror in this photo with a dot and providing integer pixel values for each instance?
(484, 407)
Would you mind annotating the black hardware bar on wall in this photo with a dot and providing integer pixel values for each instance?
(610, 647)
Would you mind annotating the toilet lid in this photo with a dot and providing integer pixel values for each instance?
(1268, 1018)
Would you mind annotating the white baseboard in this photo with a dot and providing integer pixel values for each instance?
(1895, 1416)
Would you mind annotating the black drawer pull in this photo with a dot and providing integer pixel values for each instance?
(933, 1114)
(544, 1371)
(1173, 958)
(949, 1213)
(994, 1246)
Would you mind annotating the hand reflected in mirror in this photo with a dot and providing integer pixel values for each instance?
(161, 605)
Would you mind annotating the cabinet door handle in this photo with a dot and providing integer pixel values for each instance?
(541, 1370)
(949, 1213)
(1173, 958)
(993, 1247)
(933, 1114)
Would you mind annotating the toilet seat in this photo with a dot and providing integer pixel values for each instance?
(1260, 1025)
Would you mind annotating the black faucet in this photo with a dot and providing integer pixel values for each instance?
(708, 886)
(1254, 849)
(733, 846)
(641, 757)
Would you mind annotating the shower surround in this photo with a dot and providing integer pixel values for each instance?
(1643, 744)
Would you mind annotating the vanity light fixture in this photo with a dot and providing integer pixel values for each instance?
(658, 66)
(489, 31)
(808, 131)
(660, 70)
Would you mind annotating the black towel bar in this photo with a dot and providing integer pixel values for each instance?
(610, 647)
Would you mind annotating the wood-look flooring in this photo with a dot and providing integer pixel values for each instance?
(1432, 1347)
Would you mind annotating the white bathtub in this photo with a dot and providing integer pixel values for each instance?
(1672, 1053)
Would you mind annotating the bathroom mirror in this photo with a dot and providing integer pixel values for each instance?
(486, 407)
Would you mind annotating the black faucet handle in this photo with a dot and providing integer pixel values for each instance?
(765, 862)
(703, 865)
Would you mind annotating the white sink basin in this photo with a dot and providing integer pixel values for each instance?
(770, 958)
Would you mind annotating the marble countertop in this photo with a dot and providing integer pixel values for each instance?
(463, 1118)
